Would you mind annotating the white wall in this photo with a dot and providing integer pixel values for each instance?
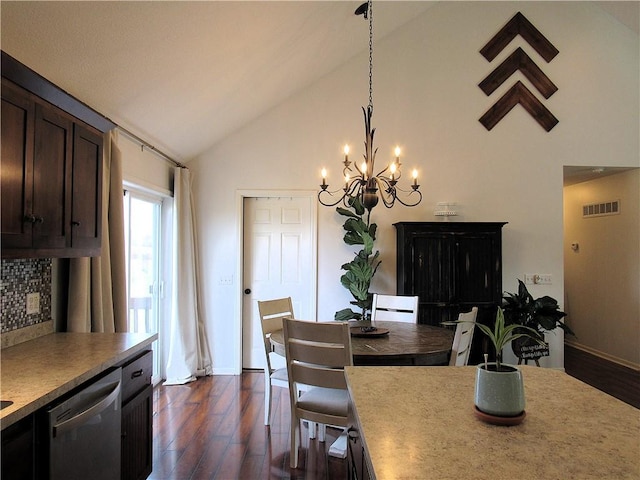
(427, 100)
(602, 277)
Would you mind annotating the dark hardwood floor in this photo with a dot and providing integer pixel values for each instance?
(213, 429)
(616, 380)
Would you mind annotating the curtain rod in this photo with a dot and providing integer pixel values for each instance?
(144, 144)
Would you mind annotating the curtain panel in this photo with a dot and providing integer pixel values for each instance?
(189, 356)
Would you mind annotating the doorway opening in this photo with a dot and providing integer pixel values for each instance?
(294, 237)
(143, 251)
(601, 221)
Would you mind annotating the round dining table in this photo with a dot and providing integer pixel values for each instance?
(394, 343)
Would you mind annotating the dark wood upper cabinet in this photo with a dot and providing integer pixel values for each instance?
(86, 211)
(18, 118)
(52, 167)
(51, 178)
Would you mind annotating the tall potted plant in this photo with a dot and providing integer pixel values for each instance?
(360, 271)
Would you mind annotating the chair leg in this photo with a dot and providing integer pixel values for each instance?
(267, 399)
(295, 442)
(322, 429)
(312, 429)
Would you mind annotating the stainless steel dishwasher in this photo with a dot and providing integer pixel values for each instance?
(84, 432)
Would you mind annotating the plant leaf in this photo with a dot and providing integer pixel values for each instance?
(347, 213)
(346, 314)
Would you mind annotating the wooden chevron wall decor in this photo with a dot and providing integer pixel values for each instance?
(519, 61)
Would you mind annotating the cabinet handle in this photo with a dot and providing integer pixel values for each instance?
(137, 373)
(39, 220)
(30, 218)
(75, 223)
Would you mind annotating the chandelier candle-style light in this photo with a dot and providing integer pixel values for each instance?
(361, 181)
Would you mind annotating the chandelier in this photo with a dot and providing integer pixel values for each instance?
(361, 181)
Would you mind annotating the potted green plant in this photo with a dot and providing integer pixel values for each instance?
(499, 389)
(541, 314)
(360, 270)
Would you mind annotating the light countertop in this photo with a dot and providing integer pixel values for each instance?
(38, 371)
(419, 423)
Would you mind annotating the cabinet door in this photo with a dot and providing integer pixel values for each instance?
(51, 178)
(18, 451)
(478, 264)
(433, 269)
(17, 167)
(356, 456)
(137, 436)
(86, 213)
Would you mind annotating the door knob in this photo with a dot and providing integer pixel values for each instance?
(247, 291)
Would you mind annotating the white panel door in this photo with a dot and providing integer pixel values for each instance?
(278, 262)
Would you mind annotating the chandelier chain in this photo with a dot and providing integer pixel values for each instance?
(370, 7)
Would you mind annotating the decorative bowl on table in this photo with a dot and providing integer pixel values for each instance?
(368, 331)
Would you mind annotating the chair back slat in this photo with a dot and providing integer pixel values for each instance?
(319, 376)
(333, 355)
(394, 308)
(317, 333)
(273, 311)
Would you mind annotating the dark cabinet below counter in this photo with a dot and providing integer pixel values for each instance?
(137, 417)
(18, 451)
(357, 460)
(25, 436)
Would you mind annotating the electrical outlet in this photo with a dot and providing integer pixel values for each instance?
(543, 279)
(33, 303)
(537, 278)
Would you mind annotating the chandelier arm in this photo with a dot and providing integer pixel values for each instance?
(412, 204)
(387, 178)
(328, 204)
(348, 191)
(414, 188)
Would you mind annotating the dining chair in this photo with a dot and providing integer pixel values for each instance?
(462, 338)
(316, 356)
(271, 314)
(394, 308)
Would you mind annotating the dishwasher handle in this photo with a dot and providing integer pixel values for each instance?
(95, 409)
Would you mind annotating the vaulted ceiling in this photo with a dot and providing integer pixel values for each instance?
(183, 75)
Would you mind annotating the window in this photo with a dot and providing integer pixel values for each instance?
(144, 252)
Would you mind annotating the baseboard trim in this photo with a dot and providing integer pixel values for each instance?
(604, 356)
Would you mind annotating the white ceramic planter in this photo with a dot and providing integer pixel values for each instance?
(499, 393)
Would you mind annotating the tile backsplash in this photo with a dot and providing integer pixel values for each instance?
(19, 278)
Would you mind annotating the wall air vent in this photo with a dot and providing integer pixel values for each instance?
(601, 209)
